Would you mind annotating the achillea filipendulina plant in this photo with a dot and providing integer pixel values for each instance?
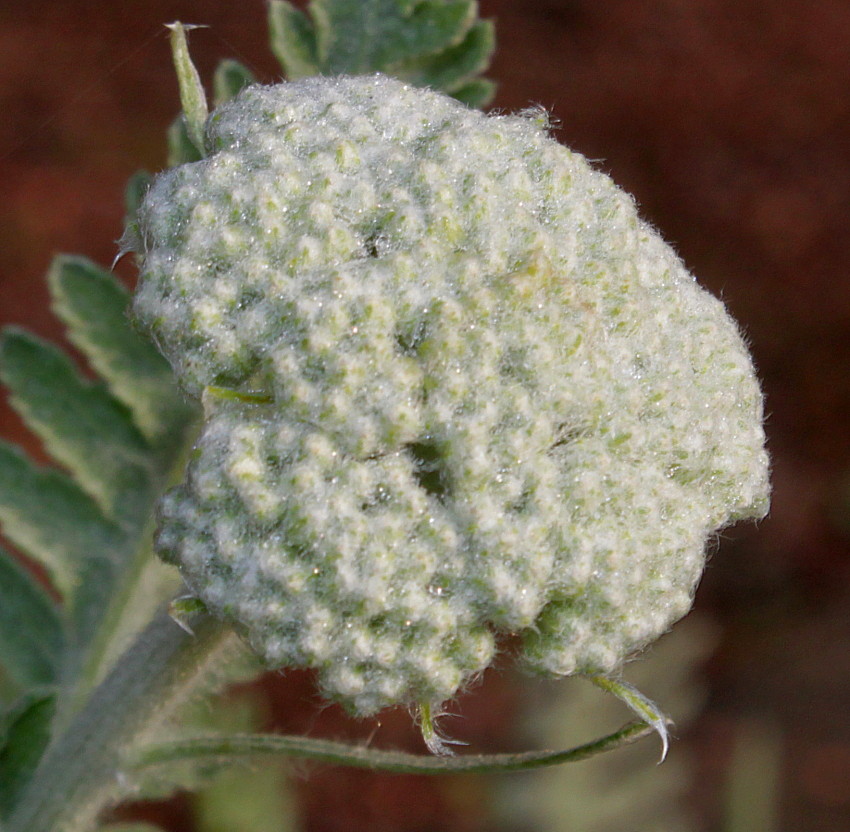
(448, 387)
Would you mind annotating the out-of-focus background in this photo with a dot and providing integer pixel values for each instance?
(730, 123)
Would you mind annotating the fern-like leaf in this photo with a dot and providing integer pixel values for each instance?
(119, 437)
(50, 518)
(81, 425)
(453, 68)
(435, 43)
(93, 305)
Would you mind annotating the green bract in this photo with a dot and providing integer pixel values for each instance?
(454, 387)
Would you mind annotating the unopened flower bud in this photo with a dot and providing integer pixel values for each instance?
(454, 387)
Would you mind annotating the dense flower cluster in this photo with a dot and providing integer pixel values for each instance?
(454, 387)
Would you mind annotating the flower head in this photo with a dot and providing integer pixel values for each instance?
(454, 387)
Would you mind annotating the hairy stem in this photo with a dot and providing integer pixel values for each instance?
(82, 771)
(236, 747)
(142, 573)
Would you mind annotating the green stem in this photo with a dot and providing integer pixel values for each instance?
(143, 585)
(82, 771)
(233, 748)
(112, 633)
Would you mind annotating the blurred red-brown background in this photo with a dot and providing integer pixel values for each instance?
(730, 122)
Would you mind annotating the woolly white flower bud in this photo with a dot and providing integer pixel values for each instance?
(467, 392)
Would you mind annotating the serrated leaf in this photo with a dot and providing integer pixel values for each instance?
(293, 40)
(180, 147)
(478, 93)
(81, 425)
(26, 734)
(360, 36)
(120, 441)
(229, 80)
(452, 68)
(93, 304)
(432, 43)
(45, 514)
(31, 635)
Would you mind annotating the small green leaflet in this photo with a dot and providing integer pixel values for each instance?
(93, 305)
(48, 516)
(24, 734)
(81, 425)
(434, 43)
(455, 69)
(31, 636)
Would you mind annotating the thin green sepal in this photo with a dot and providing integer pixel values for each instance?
(437, 744)
(643, 707)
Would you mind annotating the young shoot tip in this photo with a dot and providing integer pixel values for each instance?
(193, 99)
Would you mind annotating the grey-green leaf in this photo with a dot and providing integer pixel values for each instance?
(432, 43)
(93, 304)
(293, 40)
(80, 424)
(48, 516)
(25, 736)
(362, 36)
(31, 635)
(229, 80)
(451, 69)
